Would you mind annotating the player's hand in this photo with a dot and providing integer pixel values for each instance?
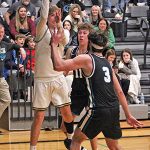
(133, 122)
(58, 16)
(56, 37)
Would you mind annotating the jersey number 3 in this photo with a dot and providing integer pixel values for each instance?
(107, 78)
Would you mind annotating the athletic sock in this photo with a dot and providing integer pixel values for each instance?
(32, 147)
(69, 129)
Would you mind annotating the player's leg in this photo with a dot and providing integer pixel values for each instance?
(77, 139)
(113, 144)
(41, 101)
(36, 126)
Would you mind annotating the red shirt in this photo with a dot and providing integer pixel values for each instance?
(30, 60)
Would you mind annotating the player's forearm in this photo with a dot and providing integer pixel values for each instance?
(44, 9)
(121, 96)
(123, 103)
(56, 59)
(41, 26)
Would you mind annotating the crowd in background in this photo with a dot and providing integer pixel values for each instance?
(20, 22)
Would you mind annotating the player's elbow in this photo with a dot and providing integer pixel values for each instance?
(58, 68)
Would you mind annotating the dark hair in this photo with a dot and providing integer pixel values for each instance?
(71, 30)
(127, 50)
(98, 39)
(107, 23)
(109, 53)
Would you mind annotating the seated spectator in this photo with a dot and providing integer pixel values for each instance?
(95, 16)
(105, 29)
(129, 70)
(11, 12)
(66, 4)
(14, 67)
(22, 24)
(75, 16)
(30, 51)
(72, 36)
(30, 59)
(112, 59)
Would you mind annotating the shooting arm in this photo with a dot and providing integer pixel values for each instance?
(60, 64)
(40, 29)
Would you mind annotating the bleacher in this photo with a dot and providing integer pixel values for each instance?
(19, 115)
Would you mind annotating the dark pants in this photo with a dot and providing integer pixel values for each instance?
(125, 86)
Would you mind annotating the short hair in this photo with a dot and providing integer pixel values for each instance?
(85, 26)
(97, 40)
(52, 9)
(17, 36)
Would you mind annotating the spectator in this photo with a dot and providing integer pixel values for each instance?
(105, 29)
(72, 36)
(30, 50)
(75, 16)
(112, 57)
(11, 12)
(66, 4)
(14, 64)
(30, 59)
(5, 98)
(95, 16)
(129, 70)
(21, 23)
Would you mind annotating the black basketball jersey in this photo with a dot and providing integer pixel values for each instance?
(79, 86)
(100, 84)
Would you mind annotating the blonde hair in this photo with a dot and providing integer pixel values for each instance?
(99, 13)
(52, 9)
(73, 6)
(20, 23)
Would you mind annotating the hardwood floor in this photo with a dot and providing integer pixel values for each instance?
(53, 140)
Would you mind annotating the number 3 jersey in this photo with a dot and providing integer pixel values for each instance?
(100, 84)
